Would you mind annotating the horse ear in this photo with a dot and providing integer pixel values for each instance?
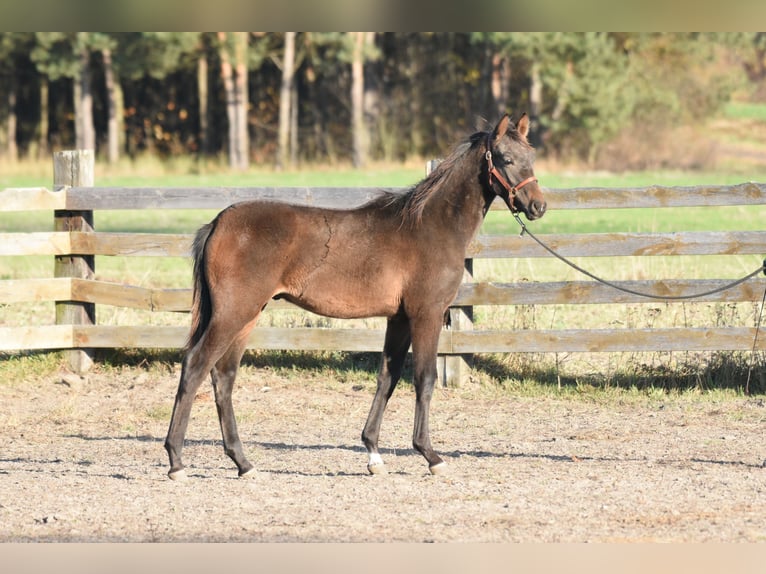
(501, 128)
(522, 126)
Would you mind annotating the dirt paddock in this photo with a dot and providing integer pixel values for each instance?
(84, 461)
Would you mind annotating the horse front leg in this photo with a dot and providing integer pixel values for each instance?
(425, 343)
(395, 348)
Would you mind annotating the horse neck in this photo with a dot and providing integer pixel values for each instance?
(460, 203)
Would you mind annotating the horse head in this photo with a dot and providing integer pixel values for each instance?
(510, 168)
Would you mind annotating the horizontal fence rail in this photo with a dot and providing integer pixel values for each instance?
(371, 340)
(469, 294)
(485, 247)
(96, 198)
(462, 339)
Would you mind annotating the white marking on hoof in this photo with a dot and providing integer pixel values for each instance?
(375, 464)
(438, 469)
(178, 475)
(252, 473)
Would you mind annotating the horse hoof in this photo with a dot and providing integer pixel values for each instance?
(252, 473)
(378, 468)
(438, 469)
(178, 475)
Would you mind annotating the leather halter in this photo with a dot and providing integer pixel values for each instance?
(493, 171)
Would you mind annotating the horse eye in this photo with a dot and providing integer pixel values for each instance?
(508, 161)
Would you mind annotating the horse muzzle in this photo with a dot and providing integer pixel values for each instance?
(529, 201)
(535, 209)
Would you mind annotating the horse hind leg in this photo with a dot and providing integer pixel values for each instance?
(224, 374)
(215, 344)
(197, 363)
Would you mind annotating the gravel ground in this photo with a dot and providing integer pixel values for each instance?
(82, 460)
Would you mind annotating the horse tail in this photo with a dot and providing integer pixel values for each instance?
(202, 305)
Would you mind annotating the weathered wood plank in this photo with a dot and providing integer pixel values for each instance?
(473, 294)
(606, 340)
(317, 339)
(119, 336)
(748, 193)
(470, 294)
(74, 168)
(133, 244)
(484, 246)
(591, 292)
(118, 295)
(31, 290)
(35, 243)
(217, 197)
(309, 339)
(36, 338)
(357, 340)
(31, 199)
(171, 300)
(621, 244)
(96, 243)
(105, 293)
(82, 198)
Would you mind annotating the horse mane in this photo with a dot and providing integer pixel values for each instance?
(413, 202)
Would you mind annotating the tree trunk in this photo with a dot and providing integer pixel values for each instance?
(358, 128)
(288, 73)
(313, 105)
(235, 83)
(42, 138)
(535, 105)
(13, 149)
(562, 99)
(294, 124)
(241, 86)
(85, 132)
(371, 97)
(500, 80)
(202, 92)
(112, 130)
(227, 75)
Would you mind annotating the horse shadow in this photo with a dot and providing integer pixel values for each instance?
(454, 454)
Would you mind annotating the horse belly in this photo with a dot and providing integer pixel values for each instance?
(347, 295)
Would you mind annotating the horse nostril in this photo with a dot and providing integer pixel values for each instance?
(539, 207)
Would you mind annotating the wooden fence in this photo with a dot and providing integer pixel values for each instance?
(74, 243)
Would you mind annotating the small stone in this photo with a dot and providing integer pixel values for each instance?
(72, 381)
(49, 519)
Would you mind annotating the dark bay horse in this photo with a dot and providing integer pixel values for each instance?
(399, 257)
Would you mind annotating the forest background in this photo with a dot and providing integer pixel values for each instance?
(617, 101)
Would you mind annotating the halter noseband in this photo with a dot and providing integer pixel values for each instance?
(492, 171)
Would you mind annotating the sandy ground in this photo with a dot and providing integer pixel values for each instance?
(82, 460)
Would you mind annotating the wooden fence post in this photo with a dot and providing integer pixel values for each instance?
(454, 369)
(74, 169)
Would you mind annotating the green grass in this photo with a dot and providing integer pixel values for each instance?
(745, 111)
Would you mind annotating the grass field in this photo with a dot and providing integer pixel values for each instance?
(621, 370)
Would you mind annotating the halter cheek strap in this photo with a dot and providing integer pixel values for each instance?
(493, 172)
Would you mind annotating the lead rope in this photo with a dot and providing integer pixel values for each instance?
(762, 268)
(525, 230)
